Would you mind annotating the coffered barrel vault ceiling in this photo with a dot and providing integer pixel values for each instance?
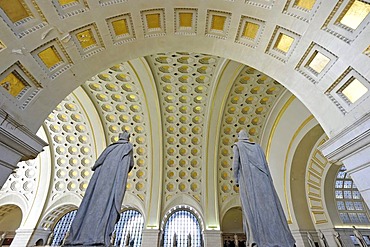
(49, 48)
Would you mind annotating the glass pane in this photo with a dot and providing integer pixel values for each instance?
(358, 206)
(340, 205)
(349, 205)
(344, 217)
(341, 174)
(62, 227)
(347, 194)
(338, 194)
(353, 217)
(347, 184)
(363, 218)
(338, 184)
(182, 227)
(356, 195)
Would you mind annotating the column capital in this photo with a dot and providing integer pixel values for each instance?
(351, 147)
(17, 143)
(348, 141)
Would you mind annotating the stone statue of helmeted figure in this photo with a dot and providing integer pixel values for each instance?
(264, 220)
(359, 237)
(323, 241)
(338, 239)
(100, 208)
(310, 240)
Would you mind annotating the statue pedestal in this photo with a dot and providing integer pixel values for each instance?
(212, 238)
(150, 237)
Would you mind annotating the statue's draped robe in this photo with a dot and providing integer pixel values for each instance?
(264, 220)
(101, 205)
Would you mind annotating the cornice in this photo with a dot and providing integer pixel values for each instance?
(19, 139)
(349, 141)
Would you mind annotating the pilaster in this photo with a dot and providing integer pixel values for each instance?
(212, 238)
(150, 237)
(297, 235)
(22, 236)
(329, 236)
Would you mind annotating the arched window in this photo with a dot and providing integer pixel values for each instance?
(350, 205)
(62, 227)
(131, 223)
(179, 225)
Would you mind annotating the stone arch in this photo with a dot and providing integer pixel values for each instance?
(297, 185)
(232, 221)
(58, 209)
(183, 201)
(179, 44)
(10, 218)
(132, 202)
(178, 209)
(182, 207)
(17, 201)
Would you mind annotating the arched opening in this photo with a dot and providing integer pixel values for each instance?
(39, 242)
(182, 228)
(62, 227)
(10, 221)
(232, 227)
(129, 229)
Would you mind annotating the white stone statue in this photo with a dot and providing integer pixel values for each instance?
(174, 241)
(323, 241)
(50, 239)
(311, 242)
(127, 241)
(189, 240)
(65, 238)
(101, 206)
(359, 237)
(113, 237)
(2, 238)
(264, 220)
(236, 240)
(132, 242)
(338, 239)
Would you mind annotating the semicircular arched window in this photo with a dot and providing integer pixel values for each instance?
(62, 227)
(182, 226)
(129, 228)
(350, 205)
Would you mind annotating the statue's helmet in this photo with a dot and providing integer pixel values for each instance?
(124, 135)
(242, 135)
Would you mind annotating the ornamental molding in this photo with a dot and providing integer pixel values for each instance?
(18, 140)
(349, 141)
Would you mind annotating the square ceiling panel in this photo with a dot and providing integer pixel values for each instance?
(121, 29)
(186, 21)
(282, 43)
(218, 24)
(153, 22)
(249, 31)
